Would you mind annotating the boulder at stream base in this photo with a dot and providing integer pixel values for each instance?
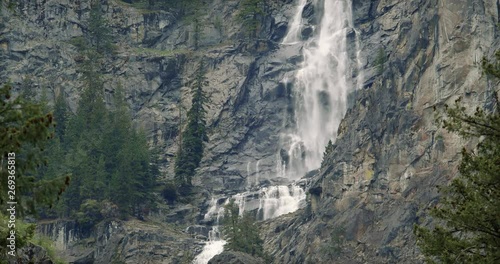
(234, 257)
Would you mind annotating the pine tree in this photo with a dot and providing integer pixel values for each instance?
(24, 131)
(250, 15)
(191, 148)
(328, 151)
(241, 233)
(467, 225)
(99, 34)
(61, 114)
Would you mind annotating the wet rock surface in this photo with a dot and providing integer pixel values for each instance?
(390, 153)
(388, 157)
(155, 61)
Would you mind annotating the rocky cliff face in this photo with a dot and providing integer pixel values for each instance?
(155, 61)
(115, 241)
(390, 154)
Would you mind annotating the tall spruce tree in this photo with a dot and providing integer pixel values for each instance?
(128, 160)
(61, 114)
(241, 232)
(24, 131)
(250, 15)
(99, 34)
(328, 151)
(190, 150)
(467, 219)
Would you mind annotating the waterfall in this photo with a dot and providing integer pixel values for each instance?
(294, 30)
(321, 86)
(279, 200)
(215, 244)
(257, 173)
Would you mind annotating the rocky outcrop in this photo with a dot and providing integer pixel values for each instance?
(390, 153)
(33, 254)
(232, 257)
(114, 241)
(155, 61)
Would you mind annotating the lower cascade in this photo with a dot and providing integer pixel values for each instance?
(215, 244)
(272, 202)
(280, 200)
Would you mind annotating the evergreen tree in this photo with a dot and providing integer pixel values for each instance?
(109, 158)
(84, 138)
(132, 178)
(61, 114)
(241, 233)
(250, 15)
(24, 124)
(328, 151)
(99, 34)
(191, 148)
(468, 216)
(24, 131)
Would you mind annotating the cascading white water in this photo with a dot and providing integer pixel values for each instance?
(215, 244)
(294, 30)
(321, 87)
(279, 200)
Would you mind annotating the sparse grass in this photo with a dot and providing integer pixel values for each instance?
(48, 245)
(161, 53)
(79, 42)
(142, 6)
(218, 24)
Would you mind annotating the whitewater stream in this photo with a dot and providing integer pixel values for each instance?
(321, 85)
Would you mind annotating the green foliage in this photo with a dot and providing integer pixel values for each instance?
(187, 258)
(250, 14)
(89, 214)
(197, 28)
(79, 42)
(467, 225)
(169, 192)
(24, 232)
(182, 6)
(241, 233)
(61, 114)
(9, 4)
(48, 245)
(99, 35)
(492, 68)
(218, 24)
(162, 53)
(380, 60)
(24, 130)
(191, 148)
(333, 248)
(110, 160)
(328, 151)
